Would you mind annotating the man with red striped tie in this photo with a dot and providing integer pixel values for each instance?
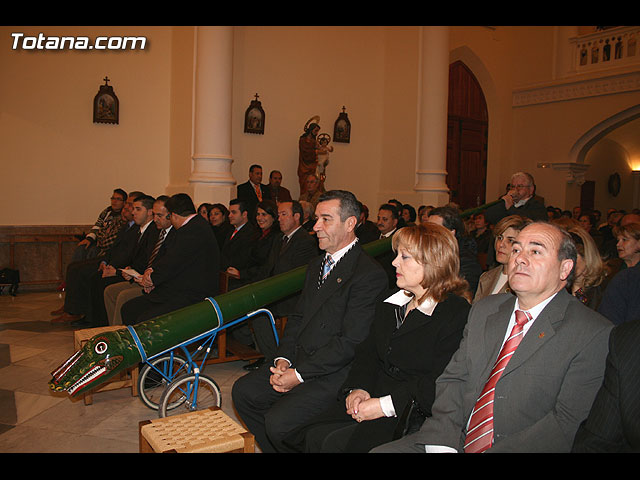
(529, 365)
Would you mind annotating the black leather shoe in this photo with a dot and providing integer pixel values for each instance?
(254, 365)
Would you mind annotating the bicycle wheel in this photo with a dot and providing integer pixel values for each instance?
(189, 394)
(156, 375)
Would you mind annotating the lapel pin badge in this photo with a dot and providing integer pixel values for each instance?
(338, 280)
(541, 335)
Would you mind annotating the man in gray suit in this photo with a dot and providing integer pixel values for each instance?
(547, 386)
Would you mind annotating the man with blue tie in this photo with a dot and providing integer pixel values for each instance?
(529, 365)
(333, 315)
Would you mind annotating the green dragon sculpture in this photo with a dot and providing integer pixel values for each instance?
(108, 353)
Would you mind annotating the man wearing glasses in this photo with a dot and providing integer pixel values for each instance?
(519, 200)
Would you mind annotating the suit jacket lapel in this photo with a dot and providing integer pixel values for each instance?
(292, 239)
(495, 331)
(339, 276)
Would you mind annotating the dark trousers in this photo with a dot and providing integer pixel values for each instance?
(270, 415)
(96, 314)
(77, 290)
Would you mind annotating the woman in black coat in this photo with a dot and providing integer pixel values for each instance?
(269, 230)
(219, 220)
(414, 334)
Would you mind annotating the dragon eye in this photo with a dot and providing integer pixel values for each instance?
(101, 347)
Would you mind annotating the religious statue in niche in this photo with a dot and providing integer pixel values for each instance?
(106, 106)
(322, 154)
(342, 128)
(308, 155)
(254, 117)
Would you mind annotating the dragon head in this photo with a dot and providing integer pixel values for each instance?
(99, 359)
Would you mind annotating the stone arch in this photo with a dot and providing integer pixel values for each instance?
(596, 133)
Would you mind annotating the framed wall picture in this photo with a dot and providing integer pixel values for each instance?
(342, 128)
(254, 117)
(106, 106)
(613, 185)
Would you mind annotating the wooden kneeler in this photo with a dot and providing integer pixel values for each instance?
(203, 431)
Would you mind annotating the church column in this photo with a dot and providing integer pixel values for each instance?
(635, 179)
(211, 176)
(433, 95)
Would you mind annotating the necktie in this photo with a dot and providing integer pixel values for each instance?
(233, 234)
(258, 192)
(480, 431)
(326, 268)
(156, 249)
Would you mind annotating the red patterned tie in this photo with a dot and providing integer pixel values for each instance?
(480, 431)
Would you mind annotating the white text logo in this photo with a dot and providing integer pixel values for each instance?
(42, 42)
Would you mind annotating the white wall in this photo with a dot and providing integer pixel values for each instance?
(58, 167)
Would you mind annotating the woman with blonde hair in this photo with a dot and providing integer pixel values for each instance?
(589, 271)
(416, 329)
(495, 280)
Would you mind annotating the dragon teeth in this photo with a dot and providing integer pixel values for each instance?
(88, 377)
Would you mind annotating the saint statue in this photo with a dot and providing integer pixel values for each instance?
(308, 159)
(322, 154)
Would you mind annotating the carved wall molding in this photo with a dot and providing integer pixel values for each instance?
(573, 90)
(575, 172)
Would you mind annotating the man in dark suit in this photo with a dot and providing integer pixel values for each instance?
(253, 191)
(137, 258)
(294, 249)
(186, 274)
(387, 223)
(76, 300)
(621, 301)
(118, 294)
(532, 400)
(366, 231)
(278, 193)
(470, 269)
(236, 250)
(520, 200)
(333, 315)
(613, 425)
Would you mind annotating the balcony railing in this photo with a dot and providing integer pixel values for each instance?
(611, 48)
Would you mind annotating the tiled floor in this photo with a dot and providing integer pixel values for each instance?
(35, 419)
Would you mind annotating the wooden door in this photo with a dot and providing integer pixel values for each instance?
(466, 138)
(587, 196)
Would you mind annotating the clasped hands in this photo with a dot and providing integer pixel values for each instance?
(283, 378)
(145, 280)
(361, 406)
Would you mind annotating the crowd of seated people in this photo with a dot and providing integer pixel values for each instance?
(187, 252)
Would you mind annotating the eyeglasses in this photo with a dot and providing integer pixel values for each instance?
(120, 199)
(521, 186)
